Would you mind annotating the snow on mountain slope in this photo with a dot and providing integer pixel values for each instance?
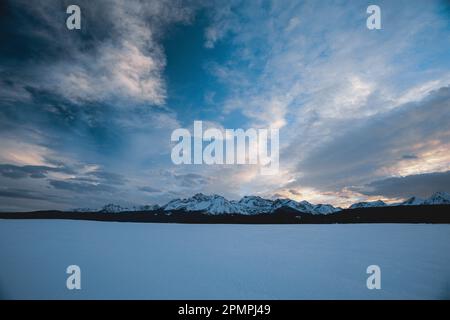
(113, 208)
(305, 206)
(291, 204)
(223, 261)
(216, 204)
(325, 209)
(249, 205)
(371, 204)
(413, 201)
(436, 198)
(255, 205)
(83, 210)
(213, 204)
(147, 208)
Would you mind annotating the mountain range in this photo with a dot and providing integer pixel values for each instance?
(254, 205)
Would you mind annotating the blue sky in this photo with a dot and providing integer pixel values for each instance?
(86, 116)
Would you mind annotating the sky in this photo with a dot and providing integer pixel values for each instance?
(86, 115)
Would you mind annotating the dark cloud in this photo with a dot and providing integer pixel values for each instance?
(39, 52)
(22, 194)
(191, 180)
(422, 185)
(60, 82)
(91, 183)
(355, 156)
(109, 177)
(81, 187)
(91, 128)
(36, 172)
(94, 181)
(409, 156)
(149, 189)
(39, 172)
(94, 96)
(295, 192)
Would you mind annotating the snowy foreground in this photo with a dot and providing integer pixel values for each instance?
(176, 261)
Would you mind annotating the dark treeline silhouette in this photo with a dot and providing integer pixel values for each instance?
(284, 215)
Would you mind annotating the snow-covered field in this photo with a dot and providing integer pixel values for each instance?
(176, 261)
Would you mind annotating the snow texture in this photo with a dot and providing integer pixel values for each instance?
(181, 261)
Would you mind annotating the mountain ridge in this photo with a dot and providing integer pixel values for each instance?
(251, 205)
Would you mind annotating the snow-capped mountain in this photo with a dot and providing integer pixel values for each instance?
(213, 204)
(248, 205)
(325, 209)
(413, 201)
(147, 208)
(305, 206)
(83, 210)
(369, 204)
(252, 205)
(255, 205)
(112, 208)
(436, 198)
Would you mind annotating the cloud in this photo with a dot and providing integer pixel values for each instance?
(135, 76)
(81, 187)
(295, 192)
(90, 97)
(88, 179)
(108, 177)
(354, 106)
(74, 178)
(116, 58)
(22, 194)
(422, 185)
(409, 156)
(149, 189)
(372, 148)
(311, 79)
(190, 180)
(36, 172)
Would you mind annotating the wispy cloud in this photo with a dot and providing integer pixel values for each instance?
(375, 147)
(339, 91)
(422, 185)
(86, 116)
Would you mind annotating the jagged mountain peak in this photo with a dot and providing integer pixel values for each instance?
(250, 205)
(439, 198)
(202, 196)
(368, 204)
(213, 204)
(413, 201)
(112, 208)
